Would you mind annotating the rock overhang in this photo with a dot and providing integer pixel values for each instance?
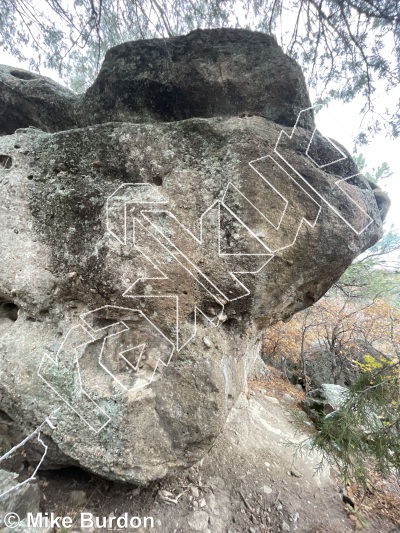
(126, 245)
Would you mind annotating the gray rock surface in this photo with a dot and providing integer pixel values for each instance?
(322, 369)
(125, 245)
(28, 99)
(249, 462)
(335, 368)
(207, 73)
(18, 500)
(258, 370)
(324, 400)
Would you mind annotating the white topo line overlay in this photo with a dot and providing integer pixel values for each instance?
(192, 268)
(35, 433)
(135, 203)
(341, 157)
(74, 344)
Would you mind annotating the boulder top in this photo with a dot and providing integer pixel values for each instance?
(207, 73)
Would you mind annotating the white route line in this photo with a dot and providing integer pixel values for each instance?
(147, 194)
(150, 196)
(83, 345)
(200, 242)
(142, 345)
(337, 183)
(178, 346)
(76, 364)
(21, 444)
(277, 227)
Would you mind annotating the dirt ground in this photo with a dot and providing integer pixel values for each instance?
(249, 482)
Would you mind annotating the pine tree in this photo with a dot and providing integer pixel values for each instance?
(364, 432)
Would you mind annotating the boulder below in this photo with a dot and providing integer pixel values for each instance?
(28, 99)
(249, 481)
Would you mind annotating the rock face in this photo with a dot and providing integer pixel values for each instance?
(139, 261)
(204, 74)
(321, 369)
(324, 400)
(159, 80)
(27, 99)
(248, 458)
(16, 502)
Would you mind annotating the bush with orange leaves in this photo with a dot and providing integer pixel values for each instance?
(365, 430)
(345, 328)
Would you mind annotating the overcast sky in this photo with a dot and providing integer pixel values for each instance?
(341, 122)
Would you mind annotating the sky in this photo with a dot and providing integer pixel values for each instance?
(338, 121)
(341, 122)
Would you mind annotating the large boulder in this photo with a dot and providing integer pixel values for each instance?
(324, 366)
(204, 74)
(139, 263)
(208, 73)
(28, 99)
(324, 400)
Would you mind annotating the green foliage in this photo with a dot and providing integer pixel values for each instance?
(367, 281)
(364, 431)
(346, 47)
(376, 273)
(377, 175)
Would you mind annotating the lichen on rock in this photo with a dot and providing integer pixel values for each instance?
(130, 236)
